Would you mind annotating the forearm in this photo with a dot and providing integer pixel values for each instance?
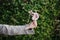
(14, 30)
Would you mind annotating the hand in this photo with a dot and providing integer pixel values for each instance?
(32, 25)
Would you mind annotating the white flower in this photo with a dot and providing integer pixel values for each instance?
(34, 15)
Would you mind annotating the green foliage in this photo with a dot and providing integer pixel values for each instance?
(15, 12)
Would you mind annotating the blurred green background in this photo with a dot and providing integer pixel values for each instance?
(15, 12)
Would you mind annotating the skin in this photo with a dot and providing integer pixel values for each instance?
(33, 24)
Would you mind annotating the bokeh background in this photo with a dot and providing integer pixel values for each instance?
(15, 12)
